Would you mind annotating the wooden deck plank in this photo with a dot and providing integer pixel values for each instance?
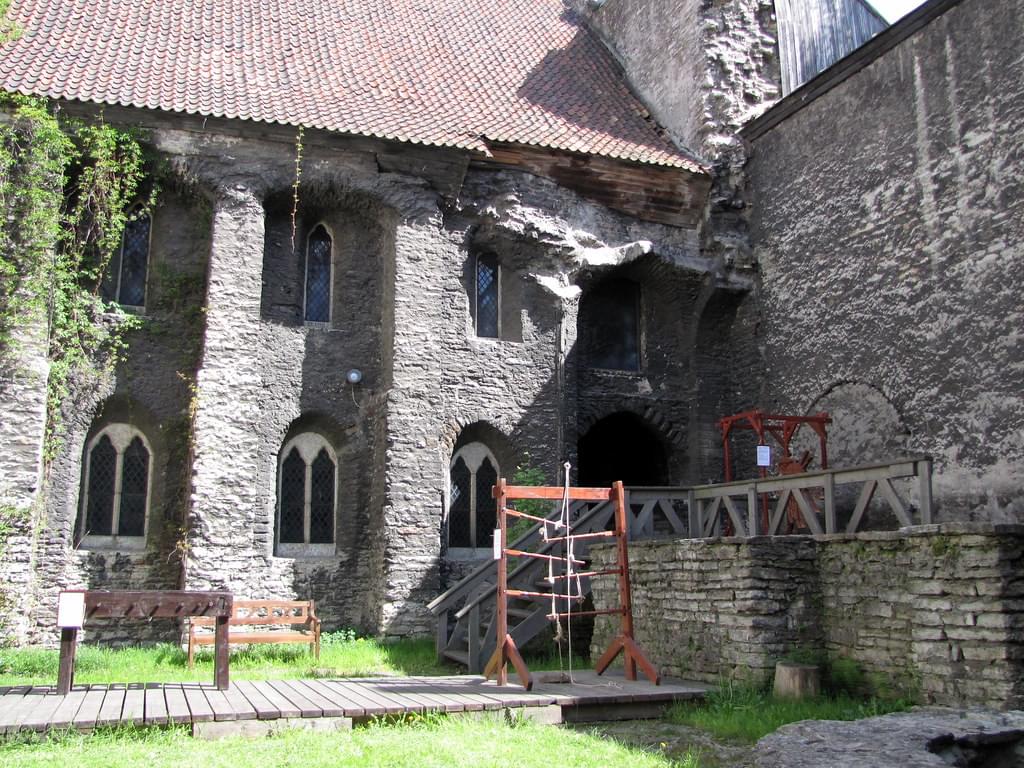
(85, 718)
(351, 706)
(113, 705)
(372, 706)
(10, 705)
(284, 705)
(197, 703)
(327, 707)
(507, 696)
(36, 708)
(239, 704)
(431, 697)
(301, 702)
(222, 708)
(134, 710)
(476, 700)
(177, 706)
(64, 715)
(156, 705)
(393, 704)
(265, 709)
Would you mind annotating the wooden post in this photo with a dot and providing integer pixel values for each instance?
(502, 590)
(66, 667)
(474, 640)
(924, 476)
(221, 653)
(829, 485)
(754, 525)
(441, 635)
(693, 521)
(625, 595)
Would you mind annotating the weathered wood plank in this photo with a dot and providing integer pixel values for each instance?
(265, 709)
(895, 502)
(36, 708)
(283, 704)
(241, 706)
(113, 705)
(198, 705)
(134, 710)
(808, 510)
(10, 707)
(371, 705)
(222, 709)
(177, 706)
(156, 705)
(85, 718)
(302, 702)
(64, 716)
(327, 707)
(350, 705)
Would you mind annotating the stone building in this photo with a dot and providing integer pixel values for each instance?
(524, 232)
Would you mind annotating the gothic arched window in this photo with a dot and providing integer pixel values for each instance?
(117, 475)
(472, 511)
(125, 280)
(318, 276)
(609, 325)
(307, 496)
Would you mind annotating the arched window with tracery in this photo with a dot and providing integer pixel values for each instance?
(117, 478)
(319, 259)
(125, 279)
(472, 511)
(307, 496)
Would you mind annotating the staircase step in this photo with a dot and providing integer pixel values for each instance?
(462, 657)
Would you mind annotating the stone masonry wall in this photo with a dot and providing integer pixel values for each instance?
(889, 227)
(932, 611)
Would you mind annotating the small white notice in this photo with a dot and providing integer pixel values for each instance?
(497, 543)
(764, 456)
(71, 610)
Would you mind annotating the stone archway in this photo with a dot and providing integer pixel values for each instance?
(622, 446)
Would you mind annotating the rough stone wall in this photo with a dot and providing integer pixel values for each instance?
(704, 68)
(888, 225)
(150, 390)
(932, 610)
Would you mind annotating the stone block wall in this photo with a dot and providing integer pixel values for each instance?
(933, 611)
(888, 221)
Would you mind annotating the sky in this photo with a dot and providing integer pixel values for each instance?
(895, 9)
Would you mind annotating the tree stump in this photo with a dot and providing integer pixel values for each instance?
(797, 681)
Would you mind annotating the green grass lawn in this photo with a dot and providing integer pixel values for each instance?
(341, 655)
(427, 743)
(745, 713)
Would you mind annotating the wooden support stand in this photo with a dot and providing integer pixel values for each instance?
(506, 650)
(150, 605)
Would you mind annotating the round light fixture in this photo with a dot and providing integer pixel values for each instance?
(354, 376)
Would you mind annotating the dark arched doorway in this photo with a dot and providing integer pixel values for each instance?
(622, 447)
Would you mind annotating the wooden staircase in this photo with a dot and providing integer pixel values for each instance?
(466, 626)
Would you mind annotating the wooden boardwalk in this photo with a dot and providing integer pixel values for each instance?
(344, 701)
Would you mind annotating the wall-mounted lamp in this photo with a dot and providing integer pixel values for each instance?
(354, 376)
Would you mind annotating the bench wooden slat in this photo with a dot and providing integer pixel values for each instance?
(262, 613)
(243, 638)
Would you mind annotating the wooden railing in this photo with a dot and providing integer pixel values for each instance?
(465, 612)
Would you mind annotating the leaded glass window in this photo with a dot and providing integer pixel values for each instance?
(472, 509)
(610, 325)
(125, 280)
(117, 469)
(307, 493)
(488, 304)
(318, 276)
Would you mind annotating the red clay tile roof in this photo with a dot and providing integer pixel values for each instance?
(442, 72)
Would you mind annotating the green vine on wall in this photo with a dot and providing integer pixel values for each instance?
(67, 189)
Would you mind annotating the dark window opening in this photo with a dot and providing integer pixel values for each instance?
(99, 516)
(460, 511)
(318, 276)
(622, 447)
(125, 278)
(134, 476)
(486, 505)
(488, 305)
(609, 325)
(321, 501)
(293, 492)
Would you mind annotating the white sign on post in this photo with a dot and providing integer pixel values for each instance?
(497, 543)
(764, 456)
(71, 610)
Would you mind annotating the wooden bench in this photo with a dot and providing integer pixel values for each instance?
(299, 615)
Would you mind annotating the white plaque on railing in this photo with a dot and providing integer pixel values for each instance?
(71, 610)
(764, 456)
(497, 543)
